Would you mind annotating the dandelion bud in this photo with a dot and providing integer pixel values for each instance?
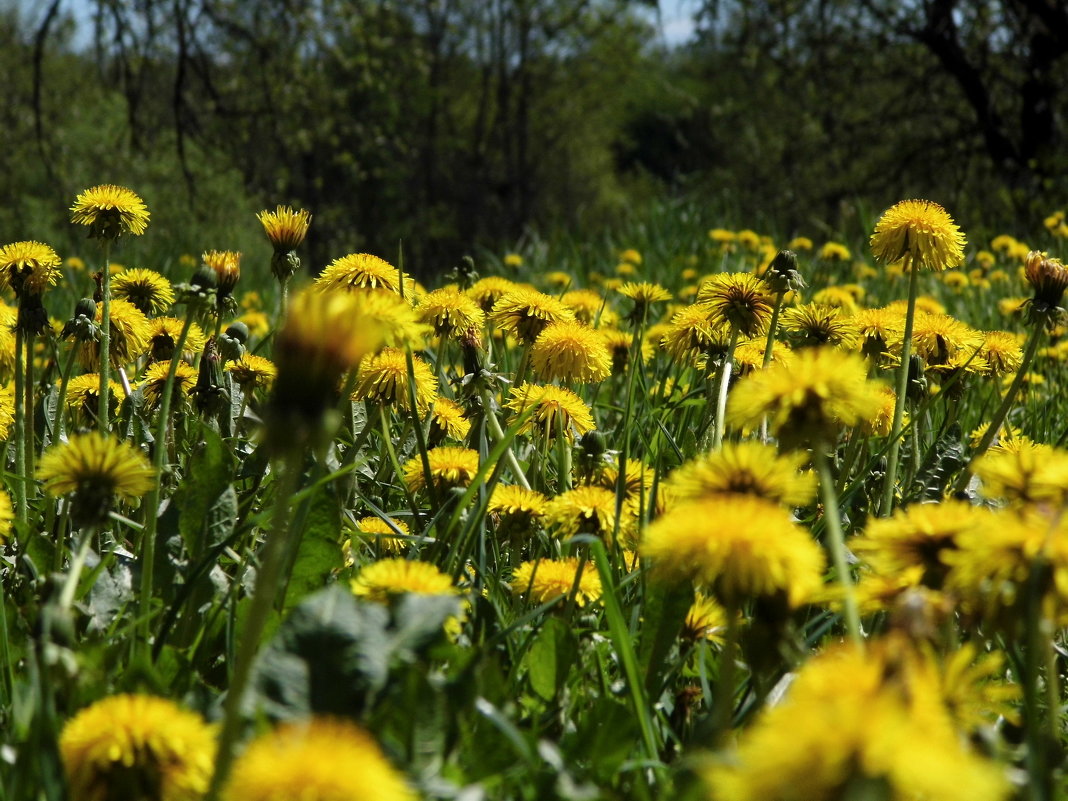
(1049, 278)
(238, 331)
(204, 278)
(593, 444)
(226, 264)
(324, 337)
(783, 274)
(82, 326)
(284, 265)
(232, 347)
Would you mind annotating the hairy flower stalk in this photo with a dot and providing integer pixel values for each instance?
(836, 540)
(920, 234)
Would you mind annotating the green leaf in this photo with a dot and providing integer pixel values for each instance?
(550, 658)
(318, 553)
(198, 499)
(663, 613)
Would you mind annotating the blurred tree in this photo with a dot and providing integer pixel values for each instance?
(438, 122)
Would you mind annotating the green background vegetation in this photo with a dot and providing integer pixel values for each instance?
(458, 124)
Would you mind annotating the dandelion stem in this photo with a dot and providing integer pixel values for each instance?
(268, 579)
(59, 431)
(723, 705)
(105, 341)
(1006, 404)
(148, 536)
(721, 397)
(74, 572)
(20, 425)
(498, 435)
(836, 540)
(29, 429)
(890, 481)
(769, 347)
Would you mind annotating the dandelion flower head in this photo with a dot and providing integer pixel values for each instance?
(921, 230)
(110, 211)
(322, 759)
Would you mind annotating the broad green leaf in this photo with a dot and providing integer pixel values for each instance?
(550, 658)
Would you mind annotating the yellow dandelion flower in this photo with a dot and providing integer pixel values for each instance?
(589, 306)
(324, 336)
(739, 547)
(252, 372)
(154, 382)
(96, 469)
(705, 620)
(975, 691)
(799, 243)
(383, 379)
(644, 292)
(129, 336)
(857, 719)
(7, 516)
(558, 279)
(380, 581)
(321, 759)
(110, 211)
(451, 313)
(516, 508)
(449, 467)
(994, 564)
(447, 421)
(835, 252)
(745, 468)
(487, 291)
(285, 228)
(939, 338)
(881, 423)
(553, 408)
(1002, 352)
(692, 336)
(226, 264)
(163, 334)
(749, 355)
(808, 397)
(83, 392)
(28, 267)
(838, 296)
(921, 230)
(620, 346)
(739, 300)
(526, 312)
(882, 330)
(513, 260)
(137, 745)
(391, 315)
(917, 537)
(813, 325)
(75, 263)
(1029, 473)
(146, 289)
(545, 580)
(7, 410)
(375, 530)
(631, 256)
(572, 352)
(584, 510)
(362, 271)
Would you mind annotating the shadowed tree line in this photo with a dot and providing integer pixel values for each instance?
(445, 123)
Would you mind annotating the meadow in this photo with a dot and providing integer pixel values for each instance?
(690, 512)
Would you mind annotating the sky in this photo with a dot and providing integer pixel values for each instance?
(676, 16)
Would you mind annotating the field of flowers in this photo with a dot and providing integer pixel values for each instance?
(701, 515)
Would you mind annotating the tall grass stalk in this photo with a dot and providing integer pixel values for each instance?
(836, 540)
